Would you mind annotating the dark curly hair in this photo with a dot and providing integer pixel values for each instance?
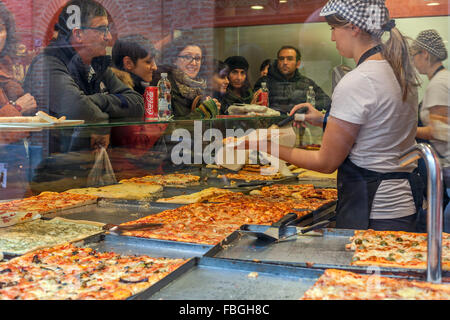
(171, 51)
(10, 48)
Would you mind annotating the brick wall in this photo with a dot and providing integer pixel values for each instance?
(156, 19)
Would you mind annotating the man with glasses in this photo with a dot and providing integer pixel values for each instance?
(287, 87)
(73, 78)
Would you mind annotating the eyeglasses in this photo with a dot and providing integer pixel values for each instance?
(103, 29)
(189, 58)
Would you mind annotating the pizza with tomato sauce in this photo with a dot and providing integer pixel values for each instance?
(344, 285)
(396, 249)
(211, 222)
(69, 272)
(22, 210)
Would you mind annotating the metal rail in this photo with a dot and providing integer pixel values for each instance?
(434, 198)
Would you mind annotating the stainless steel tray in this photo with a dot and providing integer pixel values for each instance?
(143, 246)
(219, 279)
(116, 211)
(314, 251)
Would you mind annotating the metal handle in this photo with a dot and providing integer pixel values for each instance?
(434, 196)
(318, 225)
(283, 221)
(284, 122)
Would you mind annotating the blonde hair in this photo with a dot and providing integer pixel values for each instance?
(395, 50)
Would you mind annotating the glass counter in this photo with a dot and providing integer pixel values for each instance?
(36, 159)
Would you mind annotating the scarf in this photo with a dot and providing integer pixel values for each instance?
(189, 88)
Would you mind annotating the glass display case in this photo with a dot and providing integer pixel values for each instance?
(38, 158)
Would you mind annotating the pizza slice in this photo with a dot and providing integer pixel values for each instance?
(344, 285)
(129, 191)
(196, 197)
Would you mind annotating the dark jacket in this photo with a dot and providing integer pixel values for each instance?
(181, 105)
(231, 98)
(58, 79)
(286, 93)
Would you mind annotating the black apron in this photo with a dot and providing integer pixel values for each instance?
(357, 186)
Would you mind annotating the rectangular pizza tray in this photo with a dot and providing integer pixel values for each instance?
(314, 251)
(116, 211)
(144, 246)
(220, 279)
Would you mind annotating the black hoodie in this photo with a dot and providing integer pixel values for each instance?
(285, 93)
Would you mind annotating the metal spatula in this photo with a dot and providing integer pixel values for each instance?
(114, 228)
(273, 232)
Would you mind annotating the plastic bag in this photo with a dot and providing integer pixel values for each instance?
(102, 173)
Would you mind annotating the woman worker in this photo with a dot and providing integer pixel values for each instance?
(372, 122)
(428, 51)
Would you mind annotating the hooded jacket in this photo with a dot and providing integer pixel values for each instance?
(285, 93)
(58, 79)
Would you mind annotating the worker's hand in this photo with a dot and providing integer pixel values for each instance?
(312, 116)
(256, 140)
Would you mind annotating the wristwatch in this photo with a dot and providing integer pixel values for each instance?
(15, 105)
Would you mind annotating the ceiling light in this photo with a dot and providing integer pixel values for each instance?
(283, 1)
(257, 7)
(433, 4)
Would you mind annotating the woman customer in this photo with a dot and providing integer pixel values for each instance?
(134, 61)
(219, 82)
(134, 64)
(183, 64)
(13, 101)
(264, 68)
(239, 90)
(429, 52)
(372, 122)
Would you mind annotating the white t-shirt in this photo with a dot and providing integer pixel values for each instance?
(370, 96)
(438, 94)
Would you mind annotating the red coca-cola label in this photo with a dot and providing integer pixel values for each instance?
(151, 102)
(263, 99)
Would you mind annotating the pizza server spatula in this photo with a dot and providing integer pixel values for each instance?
(273, 232)
(303, 230)
(114, 228)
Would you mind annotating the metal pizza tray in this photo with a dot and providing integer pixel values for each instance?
(116, 211)
(322, 250)
(143, 246)
(242, 184)
(220, 279)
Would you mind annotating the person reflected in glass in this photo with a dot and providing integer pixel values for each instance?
(134, 61)
(219, 82)
(239, 90)
(13, 100)
(183, 63)
(264, 68)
